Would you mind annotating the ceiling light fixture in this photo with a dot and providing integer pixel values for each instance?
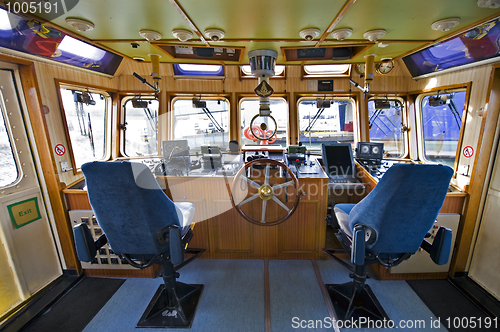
(150, 35)
(374, 35)
(446, 24)
(309, 34)
(214, 34)
(341, 34)
(493, 4)
(182, 35)
(79, 24)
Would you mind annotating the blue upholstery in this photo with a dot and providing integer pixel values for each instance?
(129, 206)
(144, 227)
(402, 207)
(84, 242)
(388, 226)
(441, 246)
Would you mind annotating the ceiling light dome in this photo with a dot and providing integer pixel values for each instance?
(493, 4)
(182, 35)
(79, 24)
(214, 34)
(446, 24)
(374, 35)
(150, 35)
(341, 34)
(310, 34)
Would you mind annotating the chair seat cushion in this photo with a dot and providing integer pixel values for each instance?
(185, 213)
(342, 213)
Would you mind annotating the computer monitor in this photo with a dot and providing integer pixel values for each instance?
(175, 148)
(338, 160)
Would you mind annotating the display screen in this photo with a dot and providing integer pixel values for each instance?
(477, 44)
(30, 36)
(338, 159)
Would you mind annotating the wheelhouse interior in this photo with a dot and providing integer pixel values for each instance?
(261, 132)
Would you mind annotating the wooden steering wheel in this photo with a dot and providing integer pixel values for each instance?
(262, 178)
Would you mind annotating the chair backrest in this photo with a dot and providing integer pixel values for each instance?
(129, 206)
(403, 206)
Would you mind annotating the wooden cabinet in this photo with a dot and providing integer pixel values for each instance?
(226, 234)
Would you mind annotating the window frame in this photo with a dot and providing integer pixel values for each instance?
(350, 98)
(244, 97)
(244, 75)
(12, 143)
(193, 74)
(123, 100)
(108, 125)
(420, 127)
(405, 120)
(174, 97)
(306, 75)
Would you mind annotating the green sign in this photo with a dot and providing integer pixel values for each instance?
(24, 212)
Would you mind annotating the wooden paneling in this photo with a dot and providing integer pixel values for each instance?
(486, 141)
(150, 272)
(231, 236)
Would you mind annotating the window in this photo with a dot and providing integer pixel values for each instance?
(85, 114)
(246, 71)
(202, 121)
(386, 118)
(213, 71)
(8, 166)
(141, 135)
(331, 70)
(325, 120)
(441, 119)
(249, 107)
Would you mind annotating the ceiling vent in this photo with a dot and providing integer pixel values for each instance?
(214, 34)
(80, 25)
(182, 35)
(309, 34)
(446, 24)
(150, 35)
(341, 34)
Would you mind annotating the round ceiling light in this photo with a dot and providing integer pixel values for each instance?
(182, 35)
(309, 34)
(446, 24)
(214, 34)
(150, 35)
(79, 24)
(374, 35)
(341, 34)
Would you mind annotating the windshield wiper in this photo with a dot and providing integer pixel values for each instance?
(456, 114)
(211, 118)
(315, 118)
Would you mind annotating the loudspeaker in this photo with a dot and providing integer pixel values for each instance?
(341, 53)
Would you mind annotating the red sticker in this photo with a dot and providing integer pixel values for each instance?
(468, 151)
(60, 149)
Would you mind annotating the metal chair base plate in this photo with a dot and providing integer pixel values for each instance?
(157, 313)
(348, 306)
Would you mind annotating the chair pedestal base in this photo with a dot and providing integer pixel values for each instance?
(349, 302)
(160, 314)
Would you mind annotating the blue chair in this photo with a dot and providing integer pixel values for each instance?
(144, 227)
(387, 227)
